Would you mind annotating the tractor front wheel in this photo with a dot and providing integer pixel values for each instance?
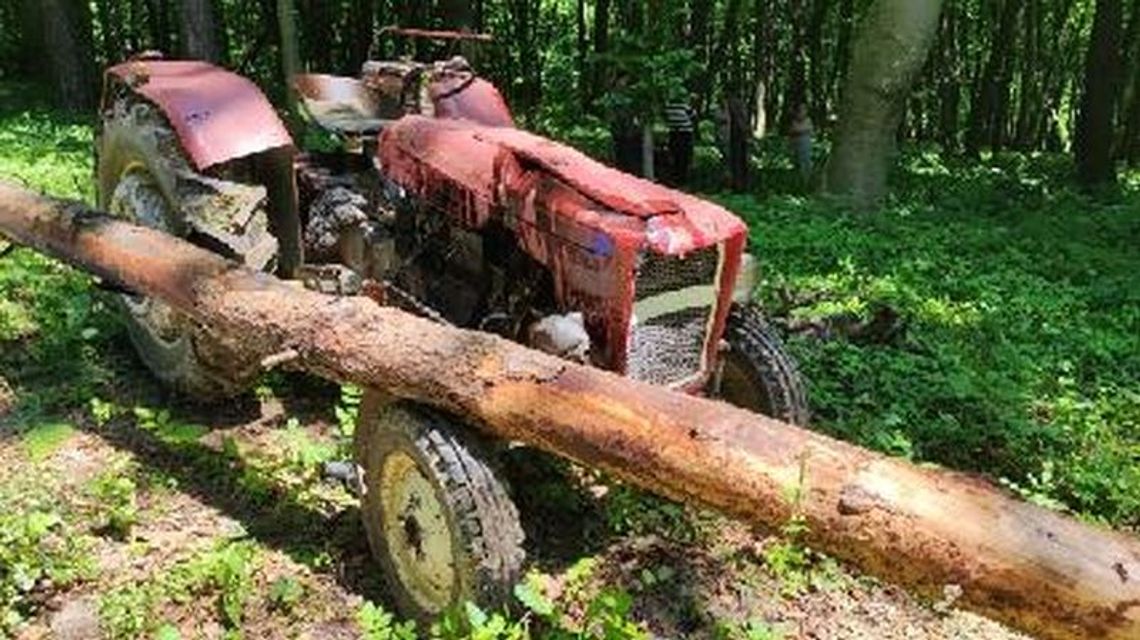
(139, 159)
(757, 373)
(438, 519)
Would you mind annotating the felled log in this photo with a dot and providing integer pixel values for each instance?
(923, 528)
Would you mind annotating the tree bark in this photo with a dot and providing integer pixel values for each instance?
(201, 31)
(64, 27)
(158, 20)
(290, 55)
(601, 46)
(949, 82)
(363, 28)
(1129, 144)
(922, 527)
(765, 112)
(797, 71)
(991, 94)
(582, 54)
(1097, 116)
(817, 92)
(842, 45)
(889, 53)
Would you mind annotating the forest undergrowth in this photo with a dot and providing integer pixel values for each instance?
(986, 318)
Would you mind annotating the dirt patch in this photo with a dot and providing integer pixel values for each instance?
(77, 619)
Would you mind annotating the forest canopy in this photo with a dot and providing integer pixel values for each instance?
(1007, 74)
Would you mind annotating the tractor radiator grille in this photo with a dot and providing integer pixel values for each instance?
(667, 349)
(659, 274)
(675, 295)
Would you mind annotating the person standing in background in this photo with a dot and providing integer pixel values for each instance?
(800, 132)
(679, 118)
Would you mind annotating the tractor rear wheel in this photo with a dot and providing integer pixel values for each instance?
(439, 520)
(139, 162)
(757, 373)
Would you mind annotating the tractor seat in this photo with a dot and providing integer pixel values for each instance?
(339, 104)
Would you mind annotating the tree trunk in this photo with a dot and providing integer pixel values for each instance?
(1097, 116)
(362, 29)
(999, 118)
(1027, 94)
(797, 71)
(923, 527)
(158, 20)
(842, 46)
(582, 55)
(988, 111)
(762, 60)
(739, 133)
(1129, 142)
(200, 30)
(700, 17)
(65, 31)
(817, 92)
(111, 23)
(950, 79)
(316, 31)
(601, 45)
(290, 55)
(889, 53)
(729, 66)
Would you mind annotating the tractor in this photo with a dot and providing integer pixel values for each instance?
(415, 188)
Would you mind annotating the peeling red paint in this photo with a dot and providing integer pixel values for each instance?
(586, 222)
(218, 115)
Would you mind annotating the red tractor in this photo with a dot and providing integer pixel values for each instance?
(426, 196)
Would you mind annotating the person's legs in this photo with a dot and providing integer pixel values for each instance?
(801, 146)
(682, 156)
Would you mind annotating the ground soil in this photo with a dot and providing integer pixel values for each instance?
(691, 573)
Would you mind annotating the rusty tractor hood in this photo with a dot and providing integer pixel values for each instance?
(217, 114)
(488, 161)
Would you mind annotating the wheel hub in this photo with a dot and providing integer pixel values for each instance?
(416, 530)
(138, 198)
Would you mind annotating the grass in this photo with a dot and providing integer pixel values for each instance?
(1016, 354)
(1018, 300)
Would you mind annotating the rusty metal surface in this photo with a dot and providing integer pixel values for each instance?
(923, 528)
(473, 99)
(218, 115)
(676, 222)
(586, 222)
(437, 35)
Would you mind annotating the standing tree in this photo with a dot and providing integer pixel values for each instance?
(199, 29)
(64, 28)
(889, 53)
(1097, 117)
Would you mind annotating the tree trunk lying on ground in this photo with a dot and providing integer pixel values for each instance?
(923, 528)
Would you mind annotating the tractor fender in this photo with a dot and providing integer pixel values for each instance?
(475, 99)
(217, 115)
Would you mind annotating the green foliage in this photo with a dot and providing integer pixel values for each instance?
(348, 409)
(633, 512)
(1020, 349)
(648, 74)
(226, 572)
(751, 630)
(53, 328)
(377, 624)
(38, 553)
(126, 612)
(115, 495)
(285, 593)
(302, 452)
(42, 440)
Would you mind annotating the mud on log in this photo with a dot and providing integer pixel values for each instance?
(923, 528)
